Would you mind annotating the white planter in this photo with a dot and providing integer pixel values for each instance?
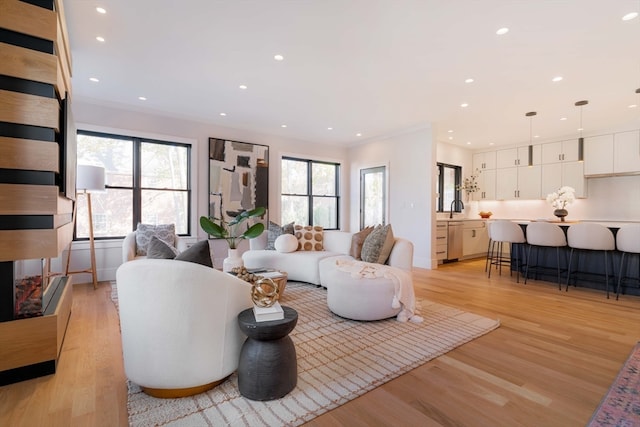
(232, 260)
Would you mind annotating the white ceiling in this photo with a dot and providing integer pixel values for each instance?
(375, 67)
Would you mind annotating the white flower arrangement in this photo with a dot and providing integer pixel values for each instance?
(470, 185)
(561, 198)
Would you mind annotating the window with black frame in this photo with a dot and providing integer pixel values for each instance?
(310, 192)
(148, 181)
(449, 180)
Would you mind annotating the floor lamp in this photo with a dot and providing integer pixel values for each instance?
(89, 179)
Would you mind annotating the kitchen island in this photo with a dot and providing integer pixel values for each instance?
(588, 268)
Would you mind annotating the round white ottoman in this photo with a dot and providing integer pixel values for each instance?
(357, 298)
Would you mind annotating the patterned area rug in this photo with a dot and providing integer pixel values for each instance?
(621, 405)
(338, 360)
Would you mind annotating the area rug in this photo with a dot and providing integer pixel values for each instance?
(338, 360)
(621, 405)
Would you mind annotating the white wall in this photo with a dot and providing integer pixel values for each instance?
(120, 121)
(410, 159)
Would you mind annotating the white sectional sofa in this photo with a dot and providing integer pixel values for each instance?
(382, 292)
(304, 266)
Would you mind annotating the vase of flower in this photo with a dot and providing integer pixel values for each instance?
(561, 213)
(232, 261)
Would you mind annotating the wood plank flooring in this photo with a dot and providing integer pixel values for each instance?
(549, 364)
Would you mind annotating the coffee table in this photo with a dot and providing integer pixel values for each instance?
(268, 367)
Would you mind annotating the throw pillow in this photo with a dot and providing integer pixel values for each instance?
(274, 230)
(378, 244)
(286, 243)
(198, 253)
(357, 240)
(309, 237)
(144, 233)
(158, 249)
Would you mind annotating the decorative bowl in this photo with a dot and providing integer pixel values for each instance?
(485, 215)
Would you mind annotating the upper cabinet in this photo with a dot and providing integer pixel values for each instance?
(487, 185)
(522, 156)
(562, 151)
(483, 161)
(612, 154)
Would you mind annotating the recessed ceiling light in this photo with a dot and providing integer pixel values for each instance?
(469, 81)
(556, 79)
(223, 114)
(100, 39)
(243, 87)
(450, 131)
(491, 143)
(629, 16)
(94, 79)
(101, 10)
(450, 138)
(633, 106)
(278, 57)
(536, 136)
(283, 126)
(580, 129)
(563, 118)
(358, 134)
(464, 105)
(329, 128)
(501, 31)
(468, 142)
(142, 98)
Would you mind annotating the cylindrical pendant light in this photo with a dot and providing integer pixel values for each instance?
(530, 114)
(581, 139)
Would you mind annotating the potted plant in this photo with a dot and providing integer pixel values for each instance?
(231, 231)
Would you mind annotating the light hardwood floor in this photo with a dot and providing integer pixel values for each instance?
(549, 364)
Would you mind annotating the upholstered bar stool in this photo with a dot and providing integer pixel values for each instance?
(486, 264)
(504, 231)
(593, 237)
(548, 235)
(627, 242)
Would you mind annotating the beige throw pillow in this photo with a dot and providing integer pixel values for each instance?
(378, 244)
(309, 237)
(357, 240)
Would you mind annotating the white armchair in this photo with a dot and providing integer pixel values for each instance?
(180, 334)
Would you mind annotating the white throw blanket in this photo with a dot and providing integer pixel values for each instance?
(403, 295)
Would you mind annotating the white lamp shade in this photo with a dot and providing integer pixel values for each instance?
(90, 178)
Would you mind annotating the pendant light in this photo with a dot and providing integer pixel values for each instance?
(530, 114)
(581, 139)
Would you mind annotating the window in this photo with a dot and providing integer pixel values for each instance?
(449, 179)
(310, 193)
(373, 196)
(147, 181)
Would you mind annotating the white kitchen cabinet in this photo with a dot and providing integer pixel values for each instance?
(487, 185)
(518, 156)
(598, 155)
(441, 240)
(557, 175)
(626, 152)
(475, 238)
(561, 151)
(484, 161)
(520, 183)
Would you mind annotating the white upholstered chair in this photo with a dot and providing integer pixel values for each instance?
(547, 235)
(627, 242)
(129, 247)
(593, 237)
(180, 334)
(504, 231)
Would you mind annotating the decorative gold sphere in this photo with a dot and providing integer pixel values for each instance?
(265, 292)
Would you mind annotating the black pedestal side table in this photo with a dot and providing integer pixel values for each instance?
(268, 367)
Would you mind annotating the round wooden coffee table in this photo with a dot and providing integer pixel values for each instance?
(268, 368)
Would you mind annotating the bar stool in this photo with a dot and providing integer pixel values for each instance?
(627, 242)
(593, 237)
(504, 231)
(548, 235)
(486, 264)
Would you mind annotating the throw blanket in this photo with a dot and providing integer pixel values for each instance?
(403, 283)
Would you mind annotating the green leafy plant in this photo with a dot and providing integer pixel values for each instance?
(230, 230)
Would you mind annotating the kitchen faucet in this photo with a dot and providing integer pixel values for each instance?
(453, 205)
